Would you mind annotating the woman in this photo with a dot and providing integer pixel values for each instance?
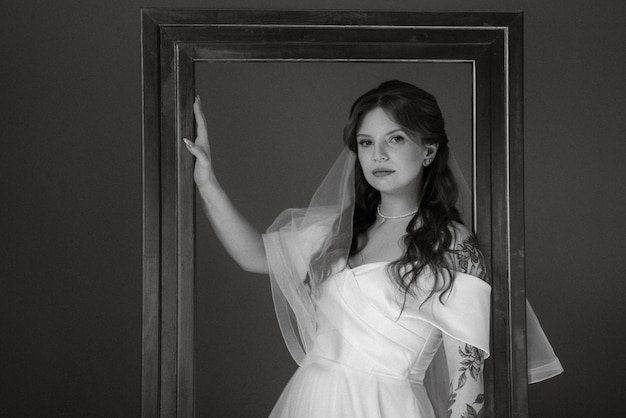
(385, 283)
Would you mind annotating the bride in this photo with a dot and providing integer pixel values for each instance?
(380, 290)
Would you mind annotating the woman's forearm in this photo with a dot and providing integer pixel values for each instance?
(242, 241)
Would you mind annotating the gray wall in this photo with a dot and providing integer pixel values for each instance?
(70, 178)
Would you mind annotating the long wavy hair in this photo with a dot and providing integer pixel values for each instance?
(429, 233)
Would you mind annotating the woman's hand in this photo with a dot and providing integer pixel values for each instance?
(241, 240)
(203, 170)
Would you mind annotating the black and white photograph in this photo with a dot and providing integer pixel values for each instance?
(312, 209)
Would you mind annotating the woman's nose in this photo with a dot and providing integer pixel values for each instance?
(379, 153)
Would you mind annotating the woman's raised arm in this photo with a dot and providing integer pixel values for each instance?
(242, 241)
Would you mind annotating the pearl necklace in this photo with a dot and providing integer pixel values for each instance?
(385, 217)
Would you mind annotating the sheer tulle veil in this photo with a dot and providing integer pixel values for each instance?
(304, 246)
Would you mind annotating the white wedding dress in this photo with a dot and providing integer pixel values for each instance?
(363, 350)
(369, 358)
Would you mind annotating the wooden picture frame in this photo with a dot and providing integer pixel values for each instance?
(173, 40)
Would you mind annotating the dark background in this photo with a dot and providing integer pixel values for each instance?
(70, 217)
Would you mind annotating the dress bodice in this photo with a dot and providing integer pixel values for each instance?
(364, 323)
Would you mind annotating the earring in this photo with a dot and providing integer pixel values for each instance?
(426, 162)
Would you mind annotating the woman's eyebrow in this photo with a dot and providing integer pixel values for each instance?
(393, 131)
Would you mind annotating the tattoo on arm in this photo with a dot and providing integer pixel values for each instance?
(469, 259)
(471, 364)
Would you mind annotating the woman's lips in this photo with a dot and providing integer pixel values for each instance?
(382, 173)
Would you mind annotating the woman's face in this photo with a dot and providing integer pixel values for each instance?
(391, 160)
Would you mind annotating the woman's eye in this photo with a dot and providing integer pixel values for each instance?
(396, 139)
(365, 142)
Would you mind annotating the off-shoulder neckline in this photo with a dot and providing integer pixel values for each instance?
(367, 264)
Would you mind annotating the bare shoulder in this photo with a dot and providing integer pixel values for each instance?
(460, 232)
(467, 257)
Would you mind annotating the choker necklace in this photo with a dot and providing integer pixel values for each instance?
(385, 217)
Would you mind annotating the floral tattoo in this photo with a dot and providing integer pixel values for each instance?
(471, 364)
(469, 259)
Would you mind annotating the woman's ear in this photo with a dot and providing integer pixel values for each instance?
(431, 151)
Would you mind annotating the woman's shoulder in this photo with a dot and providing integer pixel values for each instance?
(459, 231)
(466, 255)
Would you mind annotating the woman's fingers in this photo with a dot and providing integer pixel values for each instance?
(197, 151)
(202, 136)
(201, 130)
(203, 171)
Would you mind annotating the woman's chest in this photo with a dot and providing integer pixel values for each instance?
(383, 243)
